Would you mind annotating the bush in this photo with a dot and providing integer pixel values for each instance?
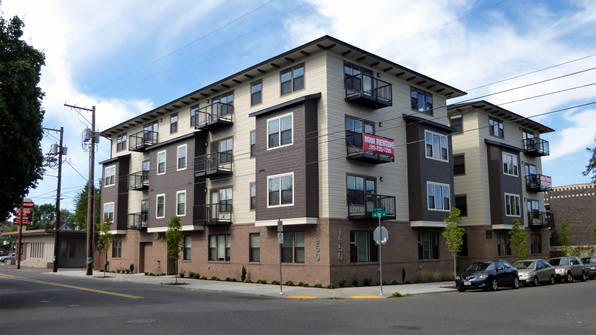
(233, 279)
(118, 270)
(403, 274)
(162, 274)
(366, 281)
(100, 270)
(243, 275)
(214, 278)
(318, 285)
(228, 279)
(248, 281)
(341, 282)
(305, 285)
(355, 281)
(197, 276)
(275, 282)
(261, 281)
(132, 268)
(204, 277)
(331, 286)
(289, 283)
(146, 273)
(399, 295)
(395, 282)
(181, 274)
(191, 274)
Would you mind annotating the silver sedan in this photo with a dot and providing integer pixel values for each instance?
(535, 271)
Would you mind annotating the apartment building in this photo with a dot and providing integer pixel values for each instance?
(576, 205)
(498, 179)
(314, 138)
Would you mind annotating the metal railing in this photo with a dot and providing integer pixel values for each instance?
(368, 87)
(214, 163)
(537, 219)
(214, 113)
(213, 214)
(138, 180)
(361, 206)
(536, 146)
(534, 183)
(142, 139)
(138, 220)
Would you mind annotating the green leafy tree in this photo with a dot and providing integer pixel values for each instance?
(43, 216)
(79, 218)
(21, 115)
(454, 236)
(66, 218)
(565, 237)
(518, 239)
(174, 241)
(591, 167)
(104, 240)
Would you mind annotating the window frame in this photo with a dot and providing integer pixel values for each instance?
(496, 124)
(458, 125)
(214, 257)
(535, 243)
(296, 250)
(280, 198)
(463, 165)
(178, 203)
(503, 244)
(117, 247)
(252, 197)
(157, 196)
(185, 146)
(173, 123)
(460, 196)
(253, 144)
(254, 253)
(279, 132)
(442, 139)
(164, 152)
(121, 142)
(254, 94)
(514, 164)
(292, 80)
(433, 252)
(416, 106)
(110, 175)
(371, 250)
(194, 115)
(187, 253)
(442, 188)
(517, 205)
(108, 205)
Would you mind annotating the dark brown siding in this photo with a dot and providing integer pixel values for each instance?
(121, 210)
(499, 184)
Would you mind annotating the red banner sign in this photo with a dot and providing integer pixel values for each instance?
(377, 144)
(18, 221)
(26, 212)
(546, 181)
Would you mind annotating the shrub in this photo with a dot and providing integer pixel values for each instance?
(162, 274)
(305, 285)
(197, 276)
(132, 268)
(318, 285)
(366, 281)
(204, 277)
(395, 282)
(233, 279)
(331, 286)
(403, 274)
(355, 281)
(243, 275)
(289, 283)
(100, 270)
(261, 281)
(275, 282)
(181, 274)
(228, 279)
(146, 273)
(341, 282)
(191, 274)
(118, 270)
(248, 281)
(399, 295)
(300, 284)
(214, 278)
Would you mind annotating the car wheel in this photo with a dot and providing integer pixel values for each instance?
(515, 283)
(461, 289)
(569, 278)
(584, 278)
(494, 285)
(536, 281)
(552, 280)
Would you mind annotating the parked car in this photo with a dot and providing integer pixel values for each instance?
(590, 266)
(488, 275)
(7, 257)
(569, 268)
(535, 271)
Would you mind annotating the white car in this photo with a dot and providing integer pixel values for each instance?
(7, 257)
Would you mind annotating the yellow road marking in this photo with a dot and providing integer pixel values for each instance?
(5, 276)
(301, 296)
(365, 297)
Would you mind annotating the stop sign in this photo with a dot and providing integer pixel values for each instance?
(377, 235)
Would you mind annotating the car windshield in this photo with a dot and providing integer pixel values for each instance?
(559, 261)
(481, 266)
(524, 265)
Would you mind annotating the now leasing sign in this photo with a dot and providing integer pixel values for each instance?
(377, 144)
(546, 181)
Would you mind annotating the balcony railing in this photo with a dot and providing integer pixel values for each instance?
(538, 219)
(214, 164)
(138, 220)
(138, 181)
(361, 206)
(536, 147)
(369, 148)
(213, 116)
(365, 90)
(139, 141)
(538, 183)
(213, 214)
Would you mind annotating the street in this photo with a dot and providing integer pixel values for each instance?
(36, 303)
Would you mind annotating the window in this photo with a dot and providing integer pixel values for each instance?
(187, 247)
(36, 249)
(464, 246)
(354, 130)
(536, 246)
(461, 203)
(428, 245)
(533, 209)
(225, 149)
(362, 247)
(510, 166)
(253, 143)
(253, 196)
(281, 190)
(108, 211)
(292, 79)
(219, 247)
(225, 103)
(279, 131)
(161, 162)
(456, 121)
(225, 200)
(292, 250)
(438, 196)
(436, 146)
(117, 247)
(511, 204)
(256, 89)
(459, 165)
(495, 127)
(255, 247)
(421, 101)
(160, 208)
(121, 142)
(174, 123)
(110, 175)
(503, 247)
(67, 249)
(194, 112)
(181, 203)
(182, 157)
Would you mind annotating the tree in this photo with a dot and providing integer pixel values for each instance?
(21, 115)
(454, 236)
(66, 218)
(104, 240)
(43, 216)
(518, 239)
(174, 241)
(591, 167)
(565, 237)
(79, 218)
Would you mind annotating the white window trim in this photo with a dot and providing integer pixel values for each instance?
(518, 201)
(106, 174)
(165, 161)
(185, 157)
(104, 210)
(157, 205)
(279, 176)
(513, 157)
(278, 119)
(178, 214)
(440, 135)
(435, 209)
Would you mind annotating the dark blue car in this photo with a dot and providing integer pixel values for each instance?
(488, 275)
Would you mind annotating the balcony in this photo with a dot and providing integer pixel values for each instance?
(215, 164)
(219, 214)
(138, 221)
(214, 116)
(538, 183)
(538, 219)
(361, 206)
(139, 141)
(536, 147)
(367, 91)
(138, 181)
(369, 148)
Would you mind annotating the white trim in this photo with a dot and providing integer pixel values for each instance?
(278, 118)
(185, 157)
(280, 190)
(165, 167)
(118, 232)
(432, 224)
(105, 175)
(438, 209)
(184, 228)
(178, 192)
(287, 222)
(519, 202)
(432, 143)
(502, 226)
(103, 214)
(157, 205)
(513, 158)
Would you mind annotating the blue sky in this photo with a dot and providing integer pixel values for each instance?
(130, 56)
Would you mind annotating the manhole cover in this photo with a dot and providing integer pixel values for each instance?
(405, 327)
(137, 321)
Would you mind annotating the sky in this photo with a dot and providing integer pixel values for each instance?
(127, 57)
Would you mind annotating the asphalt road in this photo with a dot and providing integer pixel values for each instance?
(34, 303)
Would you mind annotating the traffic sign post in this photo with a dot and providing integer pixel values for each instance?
(380, 212)
(280, 240)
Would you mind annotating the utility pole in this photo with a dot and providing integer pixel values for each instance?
(19, 243)
(91, 191)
